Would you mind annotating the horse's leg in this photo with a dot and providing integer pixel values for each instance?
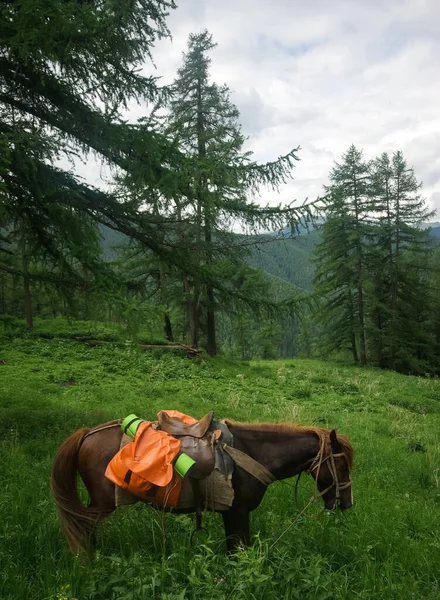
(236, 522)
(102, 500)
(91, 468)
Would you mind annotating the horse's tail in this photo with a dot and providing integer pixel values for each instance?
(78, 521)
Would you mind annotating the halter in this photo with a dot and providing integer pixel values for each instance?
(316, 464)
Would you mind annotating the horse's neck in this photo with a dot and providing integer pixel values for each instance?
(284, 453)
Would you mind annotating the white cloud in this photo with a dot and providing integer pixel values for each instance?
(323, 75)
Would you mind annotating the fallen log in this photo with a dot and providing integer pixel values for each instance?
(180, 347)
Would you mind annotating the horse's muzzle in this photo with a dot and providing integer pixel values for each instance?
(345, 505)
(341, 504)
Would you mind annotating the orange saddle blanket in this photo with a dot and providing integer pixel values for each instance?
(144, 466)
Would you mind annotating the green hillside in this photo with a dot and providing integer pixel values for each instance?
(385, 548)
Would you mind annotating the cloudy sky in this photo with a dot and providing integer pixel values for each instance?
(323, 75)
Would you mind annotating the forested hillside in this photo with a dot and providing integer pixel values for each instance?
(288, 258)
(435, 233)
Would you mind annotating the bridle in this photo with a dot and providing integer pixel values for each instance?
(318, 461)
(316, 464)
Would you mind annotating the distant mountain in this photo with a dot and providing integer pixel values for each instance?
(281, 289)
(111, 242)
(290, 258)
(280, 255)
(287, 258)
(302, 229)
(435, 231)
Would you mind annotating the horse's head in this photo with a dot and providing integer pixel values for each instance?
(331, 471)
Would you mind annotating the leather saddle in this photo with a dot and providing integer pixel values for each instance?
(176, 427)
(196, 440)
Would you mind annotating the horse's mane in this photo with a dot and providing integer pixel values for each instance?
(322, 433)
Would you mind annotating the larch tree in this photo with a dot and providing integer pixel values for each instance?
(336, 279)
(373, 267)
(67, 71)
(205, 126)
(401, 258)
(343, 255)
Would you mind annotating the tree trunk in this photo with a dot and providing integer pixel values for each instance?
(193, 320)
(362, 327)
(354, 348)
(211, 346)
(353, 331)
(27, 290)
(203, 202)
(195, 315)
(361, 311)
(190, 310)
(168, 330)
(15, 304)
(3, 280)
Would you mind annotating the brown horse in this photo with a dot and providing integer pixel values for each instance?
(283, 449)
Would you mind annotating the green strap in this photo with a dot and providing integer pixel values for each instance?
(250, 465)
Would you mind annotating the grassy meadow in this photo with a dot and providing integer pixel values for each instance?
(387, 547)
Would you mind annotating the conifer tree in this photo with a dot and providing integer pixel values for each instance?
(67, 70)
(335, 279)
(204, 122)
(373, 278)
(401, 257)
(342, 256)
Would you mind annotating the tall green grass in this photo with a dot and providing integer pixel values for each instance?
(386, 547)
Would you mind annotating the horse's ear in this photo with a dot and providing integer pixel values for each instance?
(336, 446)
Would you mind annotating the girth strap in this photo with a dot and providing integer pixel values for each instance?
(250, 465)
